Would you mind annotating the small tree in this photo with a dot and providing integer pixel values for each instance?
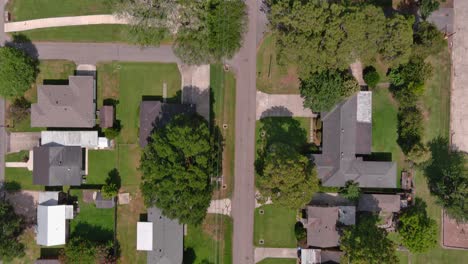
(109, 190)
(417, 229)
(410, 128)
(428, 40)
(426, 7)
(10, 229)
(371, 77)
(20, 109)
(351, 191)
(419, 154)
(300, 231)
(17, 72)
(322, 91)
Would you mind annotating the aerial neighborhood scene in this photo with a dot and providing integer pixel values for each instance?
(234, 131)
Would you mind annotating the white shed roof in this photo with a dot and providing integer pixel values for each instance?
(310, 256)
(48, 198)
(145, 236)
(51, 225)
(364, 107)
(86, 139)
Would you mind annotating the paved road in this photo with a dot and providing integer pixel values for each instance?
(63, 22)
(243, 203)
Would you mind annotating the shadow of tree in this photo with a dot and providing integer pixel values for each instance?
(189, 256)
(283, 129)
(114, 177)
(93, 233)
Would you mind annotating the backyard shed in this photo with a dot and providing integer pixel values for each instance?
(145, 236)
(106, 116)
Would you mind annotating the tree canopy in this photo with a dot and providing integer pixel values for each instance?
(426, 7)
(351, 191)
(428, 40)
(10, 228)
(417, 229)
(448, 178)
(80, 250)
(176, 166)
(367, 243)
(288, 177)
(322, 35)
(17, 72)
(322, 91)
(410, 128)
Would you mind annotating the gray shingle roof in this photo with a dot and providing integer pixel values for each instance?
(155, 114)
(387, 203)
(71, 105)
(168, 237)
(344, 138)
(57, 165)
(106, 116)
(321, 227)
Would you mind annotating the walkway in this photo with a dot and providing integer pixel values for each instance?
(63, 22)
(459, 96)
(281, 105)
(222, 206)
(263, 253)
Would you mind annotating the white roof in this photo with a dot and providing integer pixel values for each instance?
(103, 142)
(145, 236)
(51, 225)
(86, 139)
(310, 256)
(69, 212)
(364, 107)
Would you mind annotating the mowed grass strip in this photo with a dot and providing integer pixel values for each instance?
(223, 86)
(20, 178)
(33, 9)
(273, 77)
(135, 82)
(275, 226)
(100, 163)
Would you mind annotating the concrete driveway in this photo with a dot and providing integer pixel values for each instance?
(281, 105)
(196, 87)
(263, 253)
(23, 141)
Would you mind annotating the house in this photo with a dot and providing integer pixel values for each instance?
(58, 165)
(161, 237)
(52, 220)
(322, 224)
(347, 141)
(377, 203)
(71, 105)
(106, 116)
(155, 114)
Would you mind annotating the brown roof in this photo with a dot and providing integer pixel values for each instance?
(387, 203)
(106, 116)
(71, 105)
(321, 227)
(155, 114)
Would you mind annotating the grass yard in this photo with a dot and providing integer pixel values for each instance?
(384, 127)
(275, 227)
(294, 131)
(210, 242)
(223, 85)
(17, 156)
(100, 163)
(128, 82)
(278, 261)
(33, 9)
(92, 223)
(20, 178)
(272, 77)
(128, 163)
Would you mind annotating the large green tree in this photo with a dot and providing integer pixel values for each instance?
(10, 229)
(322, 91)
(367, 243)
(351, 191)
(426, 7)
(428, 40)
(448, 178)
(288, 178)
(410, 128)
(318, 35)
(417, 229)
(17, 72)
(177, 169)
(81, 250)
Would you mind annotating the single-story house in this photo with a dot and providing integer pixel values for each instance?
(377, 203)
(106, 116)
(161, 237)
(155, 114)
(321, 224)
(58, 165)
(52, 220)
(72, 105)
(347, 140)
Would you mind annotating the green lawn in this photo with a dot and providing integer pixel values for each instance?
(128, 163)
(272, 77)
(384, 127)
(275, 227)
(20, 178)
(33, 9)
(100, 163)
(17, 156)
(277, 261)
(294, 131)
(223, 85)
(211, 241)
(128, 82)
(92, 223)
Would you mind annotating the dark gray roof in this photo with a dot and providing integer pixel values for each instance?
(155, 114)
(344, 137)
(71, 105)
(57, 165)
(101, 202)
(47, 261)
(168, 237)
(106, 116)
(387, 203)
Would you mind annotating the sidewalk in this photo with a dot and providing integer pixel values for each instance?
(63, 22)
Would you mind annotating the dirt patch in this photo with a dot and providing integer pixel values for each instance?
(88, 196)
(25, 204)
(213, 226)
(455, 234)
(291, 79)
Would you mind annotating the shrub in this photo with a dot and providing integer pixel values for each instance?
(20, 109)
(300, 231)
(371, 77)
(111, 132)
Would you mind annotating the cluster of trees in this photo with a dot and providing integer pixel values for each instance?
(11, 226)
(81, 250)
(177, 168)
(17, 72)
(322, 35)
(204, 31)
